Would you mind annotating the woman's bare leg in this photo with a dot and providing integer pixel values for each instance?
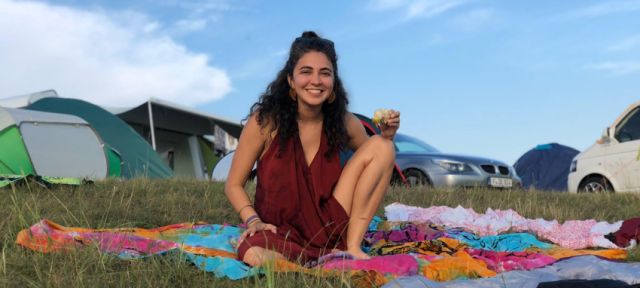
(361, 186)
(256, 256)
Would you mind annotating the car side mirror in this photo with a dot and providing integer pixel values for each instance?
(606, 136)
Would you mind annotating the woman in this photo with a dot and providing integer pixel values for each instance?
(307, 205)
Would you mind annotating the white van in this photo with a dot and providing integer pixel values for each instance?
(611, 163)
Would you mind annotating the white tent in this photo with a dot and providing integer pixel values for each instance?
(176, 132)
(50, 144)
(26, 99)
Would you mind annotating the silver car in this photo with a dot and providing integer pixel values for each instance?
(422, 164)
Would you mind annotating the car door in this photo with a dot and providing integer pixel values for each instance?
(621, 162)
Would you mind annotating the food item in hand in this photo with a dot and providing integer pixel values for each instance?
(381, 116)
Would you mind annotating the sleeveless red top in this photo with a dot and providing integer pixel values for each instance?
(298, 200)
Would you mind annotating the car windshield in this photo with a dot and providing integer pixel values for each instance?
(406, 143)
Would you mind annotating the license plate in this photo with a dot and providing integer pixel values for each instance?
(500, 182)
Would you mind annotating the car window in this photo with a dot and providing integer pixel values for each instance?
(405, 143)
(629, 128)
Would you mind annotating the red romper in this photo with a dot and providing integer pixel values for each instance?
(298, 200)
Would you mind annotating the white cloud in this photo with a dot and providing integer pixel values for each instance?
(151, 27)
(617, 68)
(474, 19)
(281, 53)
(431, 8)
(117, 59)
(197, 6)
(626, 45)
(416, 8)
(607, 8)
(191, 25)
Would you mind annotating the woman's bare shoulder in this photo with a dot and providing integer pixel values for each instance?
(356, 131)
(260, 128)
(257, 127)
(352, 123)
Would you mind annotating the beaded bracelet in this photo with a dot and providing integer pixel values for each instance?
(251, 218)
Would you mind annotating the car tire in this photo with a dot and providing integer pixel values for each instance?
(595, 184)
(416, 178)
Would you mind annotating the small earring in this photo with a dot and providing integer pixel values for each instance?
(292, 93)
(332, 97)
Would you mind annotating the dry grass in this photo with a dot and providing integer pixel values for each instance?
(145, 203)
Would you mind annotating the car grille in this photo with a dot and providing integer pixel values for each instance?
(503, 170)
(489, 169)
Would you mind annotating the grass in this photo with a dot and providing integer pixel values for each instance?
(148, 204)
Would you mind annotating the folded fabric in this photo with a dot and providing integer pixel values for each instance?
(460, 264)
(630, 231)
(501, 243)
(572, 234)
(507, 261)
(392, 265)
(558, 252)
(429, 247)
(395, 236)
(581, 267)
(426, 227)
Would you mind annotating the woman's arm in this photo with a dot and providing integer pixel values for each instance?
(250, 146)
(356, 132)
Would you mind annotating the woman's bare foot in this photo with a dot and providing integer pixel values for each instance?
(358, 254)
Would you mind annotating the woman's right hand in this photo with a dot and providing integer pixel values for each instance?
(256, 227)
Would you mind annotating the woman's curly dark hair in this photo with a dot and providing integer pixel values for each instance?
(275, 105)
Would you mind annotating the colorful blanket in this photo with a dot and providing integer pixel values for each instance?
(572, 234)
(423, 248)
(583, 267)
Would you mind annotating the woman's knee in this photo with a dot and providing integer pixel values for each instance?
(383, 148)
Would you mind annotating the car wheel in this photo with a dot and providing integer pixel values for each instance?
(595, 184)
(416, 178)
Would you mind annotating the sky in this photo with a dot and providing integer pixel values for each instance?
(475, 77)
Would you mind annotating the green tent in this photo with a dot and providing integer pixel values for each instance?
(54, 145)
(138, 157)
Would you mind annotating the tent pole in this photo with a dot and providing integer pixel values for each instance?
(153, 133)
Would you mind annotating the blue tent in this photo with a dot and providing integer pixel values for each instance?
(546, 167)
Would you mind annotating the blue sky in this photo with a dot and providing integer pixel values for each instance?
(477, 77)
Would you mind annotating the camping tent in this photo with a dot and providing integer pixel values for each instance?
(546, 167)
(177, 133)
(25, 100)
(139, 159)
(55, 145)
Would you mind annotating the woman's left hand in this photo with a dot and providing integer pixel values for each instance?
(389, 130)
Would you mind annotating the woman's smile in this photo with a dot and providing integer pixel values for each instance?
(315, 92)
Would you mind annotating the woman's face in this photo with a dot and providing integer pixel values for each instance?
(313, 78)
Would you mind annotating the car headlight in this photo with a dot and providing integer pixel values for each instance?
(452, 165)
(573, 167)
